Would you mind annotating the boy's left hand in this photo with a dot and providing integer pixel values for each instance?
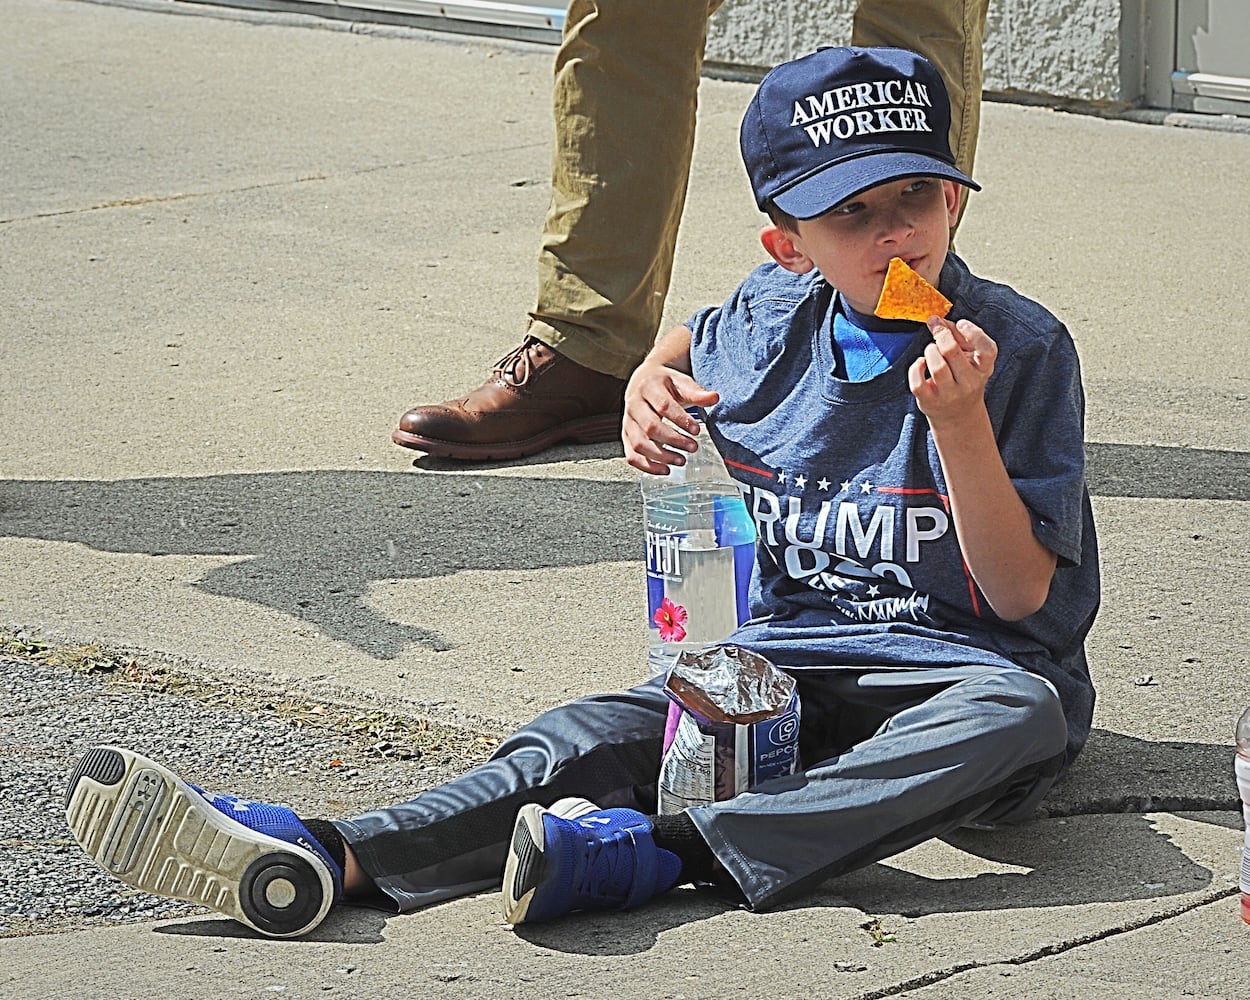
(949, 380)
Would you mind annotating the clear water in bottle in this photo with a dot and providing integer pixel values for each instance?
(1241, 764)
(700, 553)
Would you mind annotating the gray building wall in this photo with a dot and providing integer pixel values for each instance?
(1084, 50)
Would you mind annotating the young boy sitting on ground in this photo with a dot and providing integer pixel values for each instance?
(927, 572)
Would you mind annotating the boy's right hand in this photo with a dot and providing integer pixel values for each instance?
(655, 394)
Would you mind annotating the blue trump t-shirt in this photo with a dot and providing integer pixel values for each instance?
(857, 562)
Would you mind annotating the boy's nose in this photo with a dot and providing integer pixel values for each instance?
(896, 227)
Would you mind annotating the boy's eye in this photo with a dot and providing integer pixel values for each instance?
(919, 184)
(847, 208)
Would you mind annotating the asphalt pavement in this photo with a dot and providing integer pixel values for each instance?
(234, 247)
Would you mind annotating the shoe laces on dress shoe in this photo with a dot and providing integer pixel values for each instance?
(516, 367)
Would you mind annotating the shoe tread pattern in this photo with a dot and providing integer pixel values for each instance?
(156, 835)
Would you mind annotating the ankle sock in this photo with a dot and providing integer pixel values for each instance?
(677, 833)
(328, 836)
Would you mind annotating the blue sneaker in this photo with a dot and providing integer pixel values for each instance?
(575, 856)
(253, 862)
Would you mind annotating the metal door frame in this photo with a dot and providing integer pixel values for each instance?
(1170, 84)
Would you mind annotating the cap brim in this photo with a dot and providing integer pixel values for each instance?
(817, 194)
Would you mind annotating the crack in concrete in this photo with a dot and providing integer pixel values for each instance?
(1046, 951)
(157, 199)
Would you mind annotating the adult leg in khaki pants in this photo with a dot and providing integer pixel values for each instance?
(949, 33)
(626, 84)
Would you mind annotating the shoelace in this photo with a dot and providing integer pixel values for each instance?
(619, 884)
(516, 366)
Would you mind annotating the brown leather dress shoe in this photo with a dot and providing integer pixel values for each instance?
(534, 398)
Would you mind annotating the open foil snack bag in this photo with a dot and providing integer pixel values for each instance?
(733, 721)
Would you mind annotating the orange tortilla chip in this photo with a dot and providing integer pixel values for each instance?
(906, 295)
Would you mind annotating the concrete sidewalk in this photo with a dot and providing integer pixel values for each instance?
(234, 249)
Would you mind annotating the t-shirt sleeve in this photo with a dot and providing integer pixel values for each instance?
(713, 333)
(1037, 405)
(703, 326)
(736, 346)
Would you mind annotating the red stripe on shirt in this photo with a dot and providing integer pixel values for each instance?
(751, 468)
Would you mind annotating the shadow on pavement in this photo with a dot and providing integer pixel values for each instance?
(1124, 774)
(1150, 471)
(310, 544)
(1063, 863)
(1090, 844)
(342, 925)
(1088, 859)
(626, 933)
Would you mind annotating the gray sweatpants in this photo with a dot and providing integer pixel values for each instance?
(891, 756)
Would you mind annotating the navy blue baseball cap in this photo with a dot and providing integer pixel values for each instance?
(825, 127)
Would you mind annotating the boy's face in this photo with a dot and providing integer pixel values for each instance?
(853, 242)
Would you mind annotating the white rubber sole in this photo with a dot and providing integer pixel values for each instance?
(526, 862)
(145, 825)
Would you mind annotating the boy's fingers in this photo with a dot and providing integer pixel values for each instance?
(966, 334)
(936, 325)
(652, 468)
(936, 371)
(672, 425)
(968, 330)
(675, 411)
(690, 393)
(664, 435)
(938, 358)
(661, 419)
(656, 397)
(645, 463)
(981, 345)
(657, 430)
(949, 338)
(646, 454)
(665, 454)
(957, 353)
(916, 375)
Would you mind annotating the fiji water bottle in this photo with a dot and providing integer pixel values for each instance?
(700, 552)
(1241, 764)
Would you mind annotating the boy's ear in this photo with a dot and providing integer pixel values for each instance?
(782, 248)
(954, 197)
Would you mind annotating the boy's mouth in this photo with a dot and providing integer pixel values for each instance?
(910, 261)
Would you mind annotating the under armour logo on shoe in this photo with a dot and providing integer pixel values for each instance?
(601, 820)
(220, 802)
